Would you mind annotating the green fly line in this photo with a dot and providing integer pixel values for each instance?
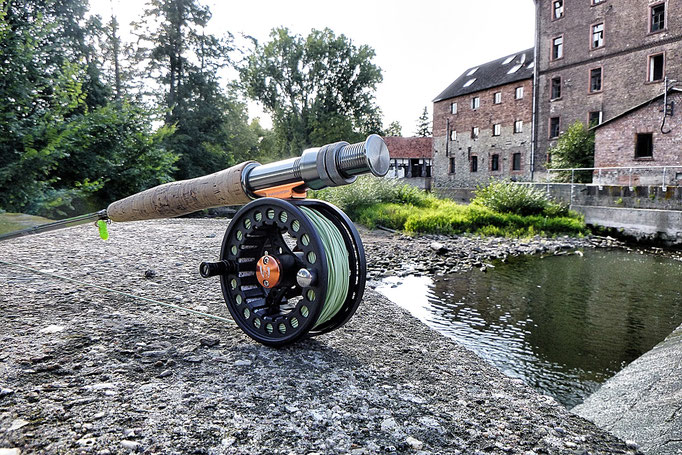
(337, 262)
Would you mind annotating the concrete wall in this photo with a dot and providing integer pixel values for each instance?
(663, 225)
(640, 197)
(645, 212)
(623, 59)
(423, 183)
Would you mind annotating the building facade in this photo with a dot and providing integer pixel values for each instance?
(641, 138)
(599, 58)
(411, 160)
(482, 124)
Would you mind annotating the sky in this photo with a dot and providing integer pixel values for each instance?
(421, 46)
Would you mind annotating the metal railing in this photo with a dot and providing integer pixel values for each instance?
(599, 171)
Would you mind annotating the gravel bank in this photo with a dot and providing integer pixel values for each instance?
(86, 371)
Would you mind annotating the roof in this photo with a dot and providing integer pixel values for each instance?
(505, 70)
(632, 109)
(409, 147)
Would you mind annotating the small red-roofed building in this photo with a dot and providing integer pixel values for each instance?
(411, 160)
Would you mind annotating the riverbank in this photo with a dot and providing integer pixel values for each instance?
(88, 371)
(643, 402)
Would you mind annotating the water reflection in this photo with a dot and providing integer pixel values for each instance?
(563, 324)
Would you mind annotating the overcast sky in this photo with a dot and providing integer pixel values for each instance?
(421, 46)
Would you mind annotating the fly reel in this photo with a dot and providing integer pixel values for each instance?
(290, 269)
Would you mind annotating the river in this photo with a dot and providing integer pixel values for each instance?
(563, 324)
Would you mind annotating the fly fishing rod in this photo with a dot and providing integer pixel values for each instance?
(289, 267)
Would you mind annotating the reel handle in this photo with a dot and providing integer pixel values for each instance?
(331, 165)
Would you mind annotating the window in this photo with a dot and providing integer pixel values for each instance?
(453, 135)
(644, 145)
(475, 102)
(554, 127)
(657, 18)
(516, 162)
(656, 67)
(557, 48)
(474, 132)
(497, 129)
(497, 98)
(452, 165)
(453, 108)
(556, 88)
(518, 126)
(595, 80)
(495, 162)
(469, 82)
(474, 164)
(597, 35)
(518, 93)
(594, 118)
(557, 9)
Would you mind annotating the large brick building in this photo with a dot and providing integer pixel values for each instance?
(482, 124)
(593, 61)
(599, 58)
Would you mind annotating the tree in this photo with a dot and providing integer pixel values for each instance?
(424, 124)
(57, 127)
(574, 149)
(211, 125)
(318, 89)
(394, 129)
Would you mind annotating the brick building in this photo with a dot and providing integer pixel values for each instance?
(639, 137)
(482, 124)
(411, 160)
(599, 58)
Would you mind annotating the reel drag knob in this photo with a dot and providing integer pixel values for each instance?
(268, 271)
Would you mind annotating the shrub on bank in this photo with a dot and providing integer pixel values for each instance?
(386, 202)
(509, 197)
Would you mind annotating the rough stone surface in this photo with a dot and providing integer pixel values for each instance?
(642, 402)
(117, 379)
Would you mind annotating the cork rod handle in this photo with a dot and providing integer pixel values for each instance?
(183, 197)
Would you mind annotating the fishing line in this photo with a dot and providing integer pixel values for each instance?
(122, 293)
(337, 263)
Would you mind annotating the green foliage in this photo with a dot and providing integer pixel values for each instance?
(319, 89)
(574, 149)
(211, 126)
(424, 124)
(369, 191)
(509, 197)
(394, 129)
(383, 202)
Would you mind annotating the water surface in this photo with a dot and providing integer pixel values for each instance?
(563, 324)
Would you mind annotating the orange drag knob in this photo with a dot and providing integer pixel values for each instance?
(268, 271)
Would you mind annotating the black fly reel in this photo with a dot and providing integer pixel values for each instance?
(275, 275)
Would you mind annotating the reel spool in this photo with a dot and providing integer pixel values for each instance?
(290, 269)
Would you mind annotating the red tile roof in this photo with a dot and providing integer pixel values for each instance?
(409, 147)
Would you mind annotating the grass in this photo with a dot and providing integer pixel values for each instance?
(15, 221)
(382, 202)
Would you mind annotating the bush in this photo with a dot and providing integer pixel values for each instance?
(369, 190)
(383, 202)
(524, 200)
